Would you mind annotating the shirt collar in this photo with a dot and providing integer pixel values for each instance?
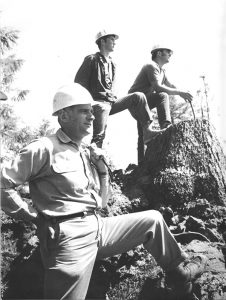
(102, 57)
(61, 135)
(157, 65)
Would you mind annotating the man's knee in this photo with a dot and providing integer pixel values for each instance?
(101, 108)
(153, 216)
(163, 96)
(156, 215)
(140, 96)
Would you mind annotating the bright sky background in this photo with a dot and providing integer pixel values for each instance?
(56, 35)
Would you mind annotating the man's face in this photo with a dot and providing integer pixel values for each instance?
(165, 55)
(80, 119)
(109, 43)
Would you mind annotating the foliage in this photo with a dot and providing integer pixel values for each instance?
(8, 38)
(180, 110)
(14, 234)
(9, 64)
(13, 137)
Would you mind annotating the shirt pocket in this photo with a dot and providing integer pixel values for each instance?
(69, 173)
(67, 162)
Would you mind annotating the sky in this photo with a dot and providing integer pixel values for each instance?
(56, 35)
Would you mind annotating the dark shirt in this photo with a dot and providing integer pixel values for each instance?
(97, 76)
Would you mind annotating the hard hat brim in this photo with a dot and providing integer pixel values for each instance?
(115, 35)
(157, 49)
(56, 112)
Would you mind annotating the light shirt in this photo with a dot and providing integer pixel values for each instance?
(61, 179)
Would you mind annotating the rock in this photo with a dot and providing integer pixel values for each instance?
(212, 284)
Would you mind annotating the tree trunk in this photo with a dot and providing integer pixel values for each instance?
(185, 163)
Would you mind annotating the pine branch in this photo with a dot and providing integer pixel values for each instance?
(21, 95)
(8, 38)
(12, 65)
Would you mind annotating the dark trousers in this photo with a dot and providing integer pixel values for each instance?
(160, 101)
(137, 105)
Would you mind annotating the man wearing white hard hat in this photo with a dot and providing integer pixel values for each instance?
(97, 75)
(153, 82)
(69, 184)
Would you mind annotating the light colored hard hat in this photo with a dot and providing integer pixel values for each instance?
(103, 33)
(71, 94)
(160, 47)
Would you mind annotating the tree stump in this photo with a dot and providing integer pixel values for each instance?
(184, 163)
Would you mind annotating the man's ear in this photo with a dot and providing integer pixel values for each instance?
(159, 52)
(63, 115)
(102, 42)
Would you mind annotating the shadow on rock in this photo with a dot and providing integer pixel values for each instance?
(155, 290)
(26, 277)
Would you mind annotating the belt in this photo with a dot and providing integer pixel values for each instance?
(72, 216)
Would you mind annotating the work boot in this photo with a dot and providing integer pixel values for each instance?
(166, 124)
(182, 276)
(150, 134)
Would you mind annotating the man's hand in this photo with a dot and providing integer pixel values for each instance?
(186, 96)
(98, 159)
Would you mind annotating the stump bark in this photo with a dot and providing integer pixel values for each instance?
(184, 163)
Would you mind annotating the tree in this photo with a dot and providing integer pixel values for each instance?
(9, 66)
(13, 137)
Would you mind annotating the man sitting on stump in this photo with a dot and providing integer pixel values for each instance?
(69, 184)
(153, 82)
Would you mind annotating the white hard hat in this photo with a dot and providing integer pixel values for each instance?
(103, 33)
(160, 47)
(71, 94)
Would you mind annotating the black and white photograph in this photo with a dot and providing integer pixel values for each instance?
(113, 149)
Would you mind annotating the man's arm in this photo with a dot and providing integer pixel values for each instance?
(167, 83)
(173, 91)
(84, 72)
(23, 168)
(14, 206)
(97, 158)
(159, 86)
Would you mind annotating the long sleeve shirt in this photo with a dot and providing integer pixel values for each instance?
(61, 178)
(97, 75)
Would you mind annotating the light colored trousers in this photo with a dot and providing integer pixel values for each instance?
(70, 257)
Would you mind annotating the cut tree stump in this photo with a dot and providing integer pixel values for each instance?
(184, 163)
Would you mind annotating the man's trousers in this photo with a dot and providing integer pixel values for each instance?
(137, 105)
(160, 101)
(69, 257)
